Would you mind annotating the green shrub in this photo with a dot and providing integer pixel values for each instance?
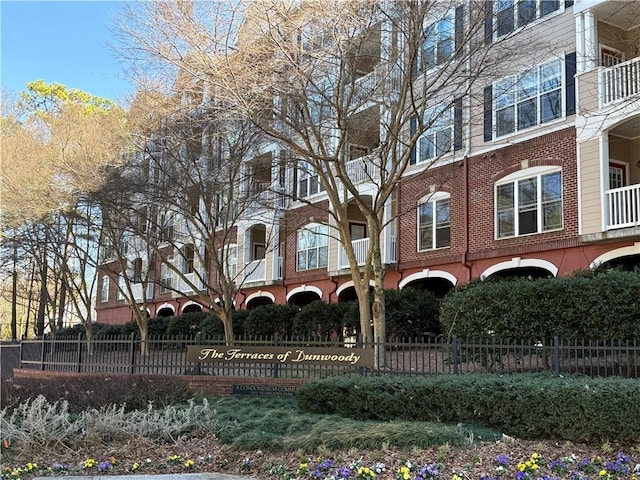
(320, 319)
(187, 324)
(602, 306)
(266, 320)
(212, 327)
(525, 406)
(412, 313)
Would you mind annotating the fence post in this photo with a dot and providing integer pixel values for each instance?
(276, 367)
(79, 358)
(198, 370)
(42, 351)
(556, 355)
(454, 353)
(132, 353)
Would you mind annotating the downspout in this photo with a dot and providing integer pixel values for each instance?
(465, 219)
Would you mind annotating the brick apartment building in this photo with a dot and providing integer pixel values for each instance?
(542, 181)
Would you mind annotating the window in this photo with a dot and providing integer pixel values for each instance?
(167, 228)
(511, 14)
(532, 204)
(439, 43)
(308, 181)
(230, 261)
(137, 270)
(529, 99)
(186, 258)
(438, 138)
(312, 247)
(434, 227)
(104, 290)
(122, 285)
(166, 279)
(617, 174)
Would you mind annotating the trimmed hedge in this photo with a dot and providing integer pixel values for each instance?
(603, 306)
(529, 406)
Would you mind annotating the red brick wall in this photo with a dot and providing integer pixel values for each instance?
(556, 149)
(204, 384)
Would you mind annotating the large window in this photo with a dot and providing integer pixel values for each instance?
(439, 43)
(187, 254)
(312, 247)
(511, 14)
(434, 226)
(529, 99)
(438, 138)
(529, 204)
(308, 181)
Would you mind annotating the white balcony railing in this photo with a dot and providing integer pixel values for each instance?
(360, 248)
(383, 80)
(620, 81)
(185, 281)
(623, 207)
(255, 271)
(361, 170)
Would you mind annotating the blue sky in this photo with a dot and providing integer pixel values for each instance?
(65, 42)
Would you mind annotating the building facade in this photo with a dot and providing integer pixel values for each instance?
(539, 177)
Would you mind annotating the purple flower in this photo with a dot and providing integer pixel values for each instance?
(502, 459)
(326, 464)
(104, 466)
(343, 472)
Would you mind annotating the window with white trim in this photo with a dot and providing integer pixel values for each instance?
(104, 289)
(230, 261)
(438, 138)
(439, 43)
(512, 14)
(166, 279)
(434, 222)
(312, 247)
(121, 287)
(529, 204)
(187, 255)
(308, 180)
(528, 99)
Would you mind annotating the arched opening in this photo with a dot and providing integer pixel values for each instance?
(192, 308)
(301, 299)
(533, 273)
(165, 312)
(436, 285)
(626, 263)
(258, 302)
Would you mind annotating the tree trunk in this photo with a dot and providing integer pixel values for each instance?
(89, 331)
(226, 316)
(14, 291)
(144, 338)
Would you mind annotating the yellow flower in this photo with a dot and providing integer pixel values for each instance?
(89, 463)
(31, 466)
(189, 463)
(521, 466)
(456, 477)
(135, 467)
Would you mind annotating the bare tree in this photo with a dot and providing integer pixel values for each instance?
(196, 173)
(322, 77)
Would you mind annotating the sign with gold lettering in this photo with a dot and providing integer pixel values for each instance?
(354, 357)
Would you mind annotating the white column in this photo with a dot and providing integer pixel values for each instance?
(591, 49)
(604, 179)
(386, 233)
(275, 251)
(581, 56)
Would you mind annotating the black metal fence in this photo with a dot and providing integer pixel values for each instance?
(167, 355)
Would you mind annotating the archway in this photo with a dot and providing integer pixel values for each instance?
(258, 302)
(165, 312)
(192, 308)
(521, 268)
(435, 281)
(626, 258)
(304, 295)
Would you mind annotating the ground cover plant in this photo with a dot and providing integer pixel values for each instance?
(271, 438)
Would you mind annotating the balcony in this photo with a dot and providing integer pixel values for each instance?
(255, 271)
(136, 290)
(620, 82)
(382, 82)
(362, 170)
(360, 248)
(623, 207)
(185, 281)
